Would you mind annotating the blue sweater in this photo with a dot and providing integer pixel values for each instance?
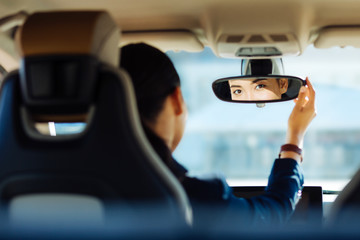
(213, 201)
(275, 206)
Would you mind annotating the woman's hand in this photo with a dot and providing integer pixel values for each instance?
(300, 118)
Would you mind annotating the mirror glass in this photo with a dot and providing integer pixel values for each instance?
(270, 88)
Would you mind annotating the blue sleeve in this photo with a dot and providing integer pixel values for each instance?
(278, 202)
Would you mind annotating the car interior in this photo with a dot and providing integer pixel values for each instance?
(75, 161)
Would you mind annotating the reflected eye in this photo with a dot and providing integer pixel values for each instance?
(260, 86)
(237, 92)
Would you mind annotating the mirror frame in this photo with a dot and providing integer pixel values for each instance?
(256, 76)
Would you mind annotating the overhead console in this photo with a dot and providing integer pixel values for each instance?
(257, 45)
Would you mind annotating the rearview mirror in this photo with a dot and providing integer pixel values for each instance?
(258, 89)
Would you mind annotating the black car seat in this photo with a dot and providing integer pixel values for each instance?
(345, 210)
(68, 73)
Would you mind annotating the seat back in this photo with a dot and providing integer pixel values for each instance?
(346, 208)
(68, 74)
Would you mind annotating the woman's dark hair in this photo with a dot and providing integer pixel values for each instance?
(222, 90)
(153, 75)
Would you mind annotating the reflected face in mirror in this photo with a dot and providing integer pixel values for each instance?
(257, 89)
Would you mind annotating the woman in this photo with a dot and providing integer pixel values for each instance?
(163, 113)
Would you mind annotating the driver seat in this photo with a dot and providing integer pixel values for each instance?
(69, 74)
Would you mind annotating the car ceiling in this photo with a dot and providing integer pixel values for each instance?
(193, 24)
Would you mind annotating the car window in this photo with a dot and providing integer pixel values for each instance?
(58, 128)
(241, 141)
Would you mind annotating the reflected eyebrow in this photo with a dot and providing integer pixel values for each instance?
(258, 80)
(252, 82)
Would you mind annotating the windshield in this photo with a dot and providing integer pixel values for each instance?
(241, 141)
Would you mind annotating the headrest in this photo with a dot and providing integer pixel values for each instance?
(62, 33)
(61, 52)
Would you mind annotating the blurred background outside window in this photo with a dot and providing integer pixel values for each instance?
(241, 141)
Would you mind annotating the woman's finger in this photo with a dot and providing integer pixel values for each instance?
(301, 98)
(311, 91)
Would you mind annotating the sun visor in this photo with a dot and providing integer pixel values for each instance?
(165, 40)
(64, 33)
(338, 36)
